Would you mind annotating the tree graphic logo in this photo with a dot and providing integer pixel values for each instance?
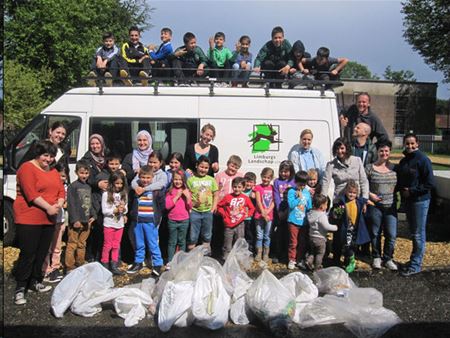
(265, 137)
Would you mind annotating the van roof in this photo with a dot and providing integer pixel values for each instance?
(202, 91)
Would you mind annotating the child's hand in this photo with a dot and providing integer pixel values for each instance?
(292, 70)
(139, 190)
(299, 194)
(200, 70)
(343, 121)
(91, 220)
(215, 167)
(180, 52)
(121, 208)
(187, 193)
(266, 218)
(123, 172)
(77, 225)
(334, 72)
(285, 70)
(179, 194)
(211, 42)
(151, 47)
(305, 71)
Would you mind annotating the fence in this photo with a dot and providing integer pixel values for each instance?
(434, 144)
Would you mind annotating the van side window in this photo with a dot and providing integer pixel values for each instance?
(38, 130)
(168, 135)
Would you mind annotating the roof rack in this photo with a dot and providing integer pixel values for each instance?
(255, 80)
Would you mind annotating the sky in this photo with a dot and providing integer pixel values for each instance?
(368, 32)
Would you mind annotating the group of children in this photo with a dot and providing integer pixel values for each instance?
(277, 60)
(290, 210)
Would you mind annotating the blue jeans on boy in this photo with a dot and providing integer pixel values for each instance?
(201, 225)
(382, 219)
(263, 229)
(146, 235)
(416, 214)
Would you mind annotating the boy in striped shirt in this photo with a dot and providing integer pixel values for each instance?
(146, 231)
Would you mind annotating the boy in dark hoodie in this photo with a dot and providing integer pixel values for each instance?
(274, 58)
(297, 54)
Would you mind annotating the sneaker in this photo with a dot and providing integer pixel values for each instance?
(108, 79)
(275, 260)
(124, 75)
(19, 296)
(376, 264)
(39, 287)
(54, 277)
(91, 82)
(291, 265)
(409, 272)
(302, 265)
(144, 80)
(391, 265)
(351, 265)
(156, 270)
(136, 267)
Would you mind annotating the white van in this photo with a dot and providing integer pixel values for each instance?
(257, 124)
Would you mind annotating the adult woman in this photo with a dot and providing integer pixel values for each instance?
(56, 135)
(382, 216)
(95, 156)
(40, 196)
(343, 167)
(139, 157)
(203, 147)
(415, 182)
(305, 157)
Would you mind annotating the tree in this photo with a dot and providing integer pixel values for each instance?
(62, 35)
(24, 93)
(398, 75)
(355, 70)
(427, 29)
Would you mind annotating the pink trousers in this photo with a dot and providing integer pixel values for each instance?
(111, 244)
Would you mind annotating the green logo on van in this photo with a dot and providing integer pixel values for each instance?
(264, 138)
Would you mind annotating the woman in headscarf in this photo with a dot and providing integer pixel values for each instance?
(133, 162)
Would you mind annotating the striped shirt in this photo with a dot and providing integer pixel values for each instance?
(382, 184)
(145, 208)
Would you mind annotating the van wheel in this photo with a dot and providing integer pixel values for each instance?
(9, 227)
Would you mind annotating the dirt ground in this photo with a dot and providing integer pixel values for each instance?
(422, 302)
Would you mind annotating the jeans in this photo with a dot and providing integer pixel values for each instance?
(147, 236)
(177, 236)
(263, 229)
(416, 214)
(240, 73)
(201, 226)
(382, 220)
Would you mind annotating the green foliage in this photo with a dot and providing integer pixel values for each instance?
(398, 75)
(24, 93)
(427, 29)
(62, 35)
(355, 70)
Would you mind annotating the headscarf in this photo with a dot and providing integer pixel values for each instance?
(99, 160)
(140, 157)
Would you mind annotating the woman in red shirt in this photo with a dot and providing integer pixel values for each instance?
(40, 196)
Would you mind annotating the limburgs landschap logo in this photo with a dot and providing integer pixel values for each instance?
(265, 137)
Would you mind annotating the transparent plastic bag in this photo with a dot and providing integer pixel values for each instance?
(333, 280)
(269, 299)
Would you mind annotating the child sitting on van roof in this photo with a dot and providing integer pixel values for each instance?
(323, 67)
(135, 60)
(273, 58)
(243, 63)
(159, 57)
(188, 60)
(105, 62)
(220, 57)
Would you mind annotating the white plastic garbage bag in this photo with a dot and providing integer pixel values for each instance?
(238, 260)
(269, 299)
(315, 313)
(365, 297)
(210, 300)
(175, 304)
(303, 291)
(333, 280)
(83, 282)
(362, 320)
(131, 304)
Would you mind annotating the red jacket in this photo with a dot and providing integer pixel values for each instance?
(235, 209)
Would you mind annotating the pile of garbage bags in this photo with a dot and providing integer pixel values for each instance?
(197, 290)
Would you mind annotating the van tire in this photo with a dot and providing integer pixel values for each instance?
(9, 227)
